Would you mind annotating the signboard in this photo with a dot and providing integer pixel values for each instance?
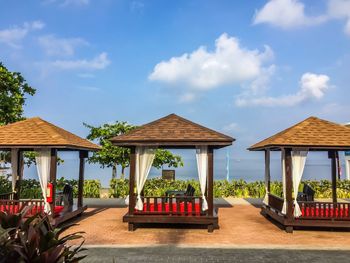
(168, 174)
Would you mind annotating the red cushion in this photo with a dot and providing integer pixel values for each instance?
(13, 209)
(166, 209)
(327, 212)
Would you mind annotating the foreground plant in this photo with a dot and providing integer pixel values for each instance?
(33, 239)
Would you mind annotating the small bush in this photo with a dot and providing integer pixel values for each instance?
(30, 188)
(33, 239)
(223, 188)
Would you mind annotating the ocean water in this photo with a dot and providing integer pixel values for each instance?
(249, 169)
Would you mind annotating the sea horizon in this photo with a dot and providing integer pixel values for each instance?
(318, 167)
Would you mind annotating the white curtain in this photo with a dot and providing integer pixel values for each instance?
(347, 166)
(267, 176)
(202, 166)
(14, 167)
(144, 160)
(298, 164)
(283, 161)
(43, 167)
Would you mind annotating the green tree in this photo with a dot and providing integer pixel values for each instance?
(13, 91)
(165, 157)
(112, 156)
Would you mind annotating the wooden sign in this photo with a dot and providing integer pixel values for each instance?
(168, 174)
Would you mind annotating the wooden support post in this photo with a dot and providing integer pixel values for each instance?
(267, 170)
(20, 164)
(332, 155)
(289, 186)
(132, 182)
(210, 181)
(53, 176)
(82, 156)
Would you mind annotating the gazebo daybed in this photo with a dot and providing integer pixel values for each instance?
(171, 131)
(46, 139)
(312, 134)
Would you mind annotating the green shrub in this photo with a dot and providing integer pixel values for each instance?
(5, 185)
(92, 188)
(33, 239)
(30, 188)
(223, 188)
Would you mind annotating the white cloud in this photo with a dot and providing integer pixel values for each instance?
(228, 64)
(347, 27)
(86, 75)
(312, 87)
(13, 35)
(64, 3)
(261, 83)
(99, 62)
(232, 127)
(340, 9)
(137, 6)
(286, 14)
(187, 97)
(60, 46)
(89, 88)
(289, 14)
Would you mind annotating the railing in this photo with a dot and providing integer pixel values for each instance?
(7, 196)
(184, 206)
(275, 202)
(325, 210)
(16, 206)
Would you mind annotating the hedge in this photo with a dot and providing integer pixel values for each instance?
(223, 188)
(30, 188)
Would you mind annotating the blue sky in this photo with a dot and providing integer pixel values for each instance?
(246, 68)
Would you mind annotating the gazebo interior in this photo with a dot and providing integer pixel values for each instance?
(312, 134)
(46, 140)
(169, 132)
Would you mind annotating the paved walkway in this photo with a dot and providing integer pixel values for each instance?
(244, 236)
(240, 225)
(167, 254)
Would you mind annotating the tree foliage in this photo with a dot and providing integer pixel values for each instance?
(165, 157)
(112, 156)
(13, 91)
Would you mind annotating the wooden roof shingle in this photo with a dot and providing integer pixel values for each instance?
(310, 133)
(36, 133)
(172, 130)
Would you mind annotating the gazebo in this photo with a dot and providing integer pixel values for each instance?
(46, 140)
(171, 131)
(312, 134)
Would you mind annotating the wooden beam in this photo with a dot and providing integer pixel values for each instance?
(332, 155)
(82, 156)
(210, 181)
(53, 176)
(132, 181)
(289, 182)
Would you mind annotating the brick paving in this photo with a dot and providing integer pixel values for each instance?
(241, 225)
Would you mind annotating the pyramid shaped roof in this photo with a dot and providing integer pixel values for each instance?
(172, 130)
(310, 133)
(36, 133)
